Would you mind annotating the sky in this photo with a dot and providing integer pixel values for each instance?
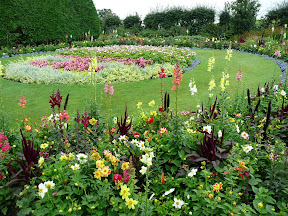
(124, 8)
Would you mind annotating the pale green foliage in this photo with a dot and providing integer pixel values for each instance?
(29, 74)
(118, 72)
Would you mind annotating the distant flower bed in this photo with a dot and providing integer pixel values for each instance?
(161, 55)
(76, 67)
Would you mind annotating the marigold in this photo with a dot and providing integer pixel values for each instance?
(217, 187)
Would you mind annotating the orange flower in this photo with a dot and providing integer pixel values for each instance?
(163, 178)
(217, 187)
(27, 127)
(22, 102)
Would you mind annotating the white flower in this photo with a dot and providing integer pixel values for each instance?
(207, 129)
(219, 133)
(143, 170)
(134, 142)
(283, 93)
(247, 148)
(169, 191)
(237, 128)
(149, 161)
(151, 154)
(115, 120)
(192, 172)
(122, 138)
(82, 157)
(152, 196)
(186, 124)
(262, 90)
(275, 87)
(244, 135)
(178, 203)
(42, 190)
(49, 184)
(141, 145)
(188, 196)
(75, 167)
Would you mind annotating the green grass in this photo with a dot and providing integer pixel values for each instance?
(256, 71)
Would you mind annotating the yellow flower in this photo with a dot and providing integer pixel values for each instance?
(99, 164)
(97, 174)
(151, 103)
(124, 192)
(190, 131)
(139, 105)
(260, 205)
(43, 146)
(131, 203)
(41, 161)
(93, 121)
(212, 85)
(105, 171)
(63, 157)
(125, 165)
(71, 156)
(154, 113)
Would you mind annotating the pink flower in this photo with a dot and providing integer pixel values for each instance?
(106, 152)
(239, 75)
(278, 53)
(108, 89)
(161, 73)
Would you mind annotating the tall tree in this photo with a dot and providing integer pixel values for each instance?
(244, 14)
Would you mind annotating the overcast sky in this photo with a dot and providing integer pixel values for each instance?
(124, 8)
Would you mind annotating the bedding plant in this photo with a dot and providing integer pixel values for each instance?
(228, 157)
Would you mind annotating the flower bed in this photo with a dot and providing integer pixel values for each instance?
(116, 67)
(229, 157)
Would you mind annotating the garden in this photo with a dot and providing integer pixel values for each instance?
(126, 124)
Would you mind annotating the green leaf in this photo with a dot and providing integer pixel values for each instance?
(4, 210)
(254, 181)
(25, 211)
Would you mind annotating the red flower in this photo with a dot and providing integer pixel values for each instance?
(163, 179)
(136, 135)
(226, 172)
(150, 120)
(161, 73)
(184, 166)
(112, 130)
(126, 179)
(117, 178)
(161, 109)
(55, 193)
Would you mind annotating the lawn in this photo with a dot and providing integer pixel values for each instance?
(256, 71)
